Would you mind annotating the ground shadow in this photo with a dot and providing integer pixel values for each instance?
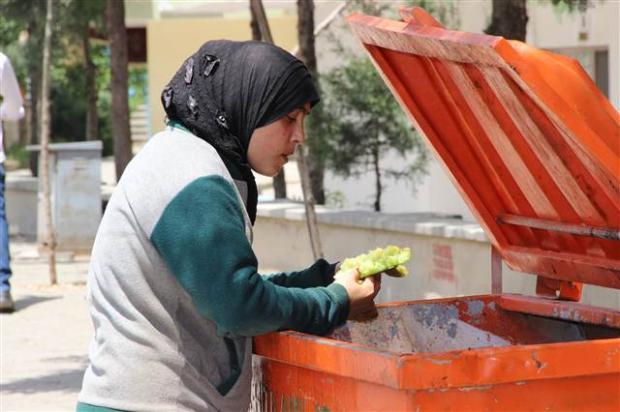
(69, 380)
(23, 303)
(71, 358)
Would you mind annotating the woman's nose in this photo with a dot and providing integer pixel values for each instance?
(299, 135)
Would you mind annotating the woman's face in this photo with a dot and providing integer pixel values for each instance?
(271, 145)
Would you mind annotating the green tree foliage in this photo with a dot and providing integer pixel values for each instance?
(23, 19)
(359, 121)
(82, 18)
(570, 5)
(363, 123)
(137, 87)
(75, 19)
(69, 100)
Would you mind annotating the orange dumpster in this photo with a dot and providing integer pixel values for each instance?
(534, 149)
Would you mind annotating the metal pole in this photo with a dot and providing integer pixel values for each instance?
(311, 220)
(496, 271)
(575, 229)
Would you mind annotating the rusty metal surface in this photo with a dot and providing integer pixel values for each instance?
(581, 230)
(428, 353)
(450, 342)
(520, 131)
(475, 322)
(458, 325)
(574, 312)
(421, 328)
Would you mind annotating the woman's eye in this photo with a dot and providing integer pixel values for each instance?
(290, 118)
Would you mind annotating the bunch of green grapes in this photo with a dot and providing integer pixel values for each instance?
(389, 260)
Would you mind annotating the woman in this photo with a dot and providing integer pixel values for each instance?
(173, 285)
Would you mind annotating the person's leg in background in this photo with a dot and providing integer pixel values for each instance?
(6, 301)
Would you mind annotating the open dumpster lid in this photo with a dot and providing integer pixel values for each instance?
(526, 137)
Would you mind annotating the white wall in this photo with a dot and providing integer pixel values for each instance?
(435, 193)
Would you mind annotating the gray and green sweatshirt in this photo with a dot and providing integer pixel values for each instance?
(174, 292)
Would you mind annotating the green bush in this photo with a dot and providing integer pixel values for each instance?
(19, 153)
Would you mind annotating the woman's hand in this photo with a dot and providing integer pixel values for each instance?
(362, 292)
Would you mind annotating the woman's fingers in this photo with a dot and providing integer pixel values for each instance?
(376, 283)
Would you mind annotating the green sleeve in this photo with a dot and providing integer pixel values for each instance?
(85, 407)
(201, 237)
(321, 273)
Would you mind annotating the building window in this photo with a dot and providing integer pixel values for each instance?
(601, 70)
(595, 62)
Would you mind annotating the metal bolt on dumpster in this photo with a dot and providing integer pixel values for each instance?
(533, 147)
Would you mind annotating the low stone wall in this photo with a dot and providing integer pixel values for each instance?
(450, 257)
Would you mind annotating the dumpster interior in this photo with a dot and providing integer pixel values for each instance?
(461, 324)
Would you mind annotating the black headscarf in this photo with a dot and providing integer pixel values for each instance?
(227, 89)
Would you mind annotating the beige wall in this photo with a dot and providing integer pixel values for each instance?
(171, 41)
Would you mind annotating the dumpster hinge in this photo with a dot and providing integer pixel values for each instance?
(558, 289)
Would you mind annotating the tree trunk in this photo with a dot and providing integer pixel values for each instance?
(256, 35)
(307, 54)
(378, 185)
(509, 19)
(311, 176)
(50, 241)
(316, 173)
(305, 29)
(258, 12)
(117, 33)
(25, 125)
(92, 117)
(261, 30)
(34, 78)
(34, 119)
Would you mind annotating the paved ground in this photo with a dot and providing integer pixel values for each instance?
(43, 345)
